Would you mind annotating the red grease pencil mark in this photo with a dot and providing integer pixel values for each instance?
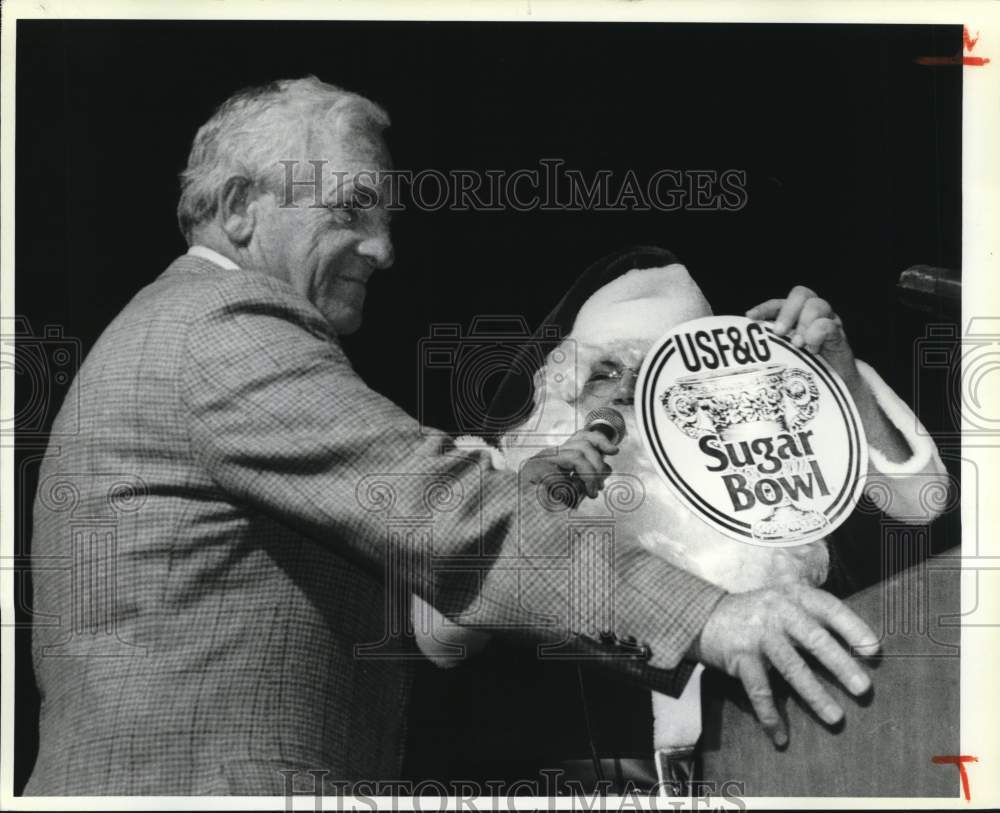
(960, 762)
(974, 61)
(968, 43)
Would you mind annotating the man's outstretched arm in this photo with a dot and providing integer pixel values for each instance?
(285, 427)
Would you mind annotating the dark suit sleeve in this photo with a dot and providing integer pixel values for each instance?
(283, 425)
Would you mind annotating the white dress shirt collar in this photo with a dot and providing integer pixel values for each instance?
(213, 257)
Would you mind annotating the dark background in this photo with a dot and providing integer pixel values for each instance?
(852, 153)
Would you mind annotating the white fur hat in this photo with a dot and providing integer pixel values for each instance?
(640, 305)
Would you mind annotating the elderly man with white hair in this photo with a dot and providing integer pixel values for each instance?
(234, 498)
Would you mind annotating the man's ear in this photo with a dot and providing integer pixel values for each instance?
(235, 213)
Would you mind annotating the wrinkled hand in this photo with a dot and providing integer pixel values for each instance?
(810, 322)
(747, 632)
(582, 456)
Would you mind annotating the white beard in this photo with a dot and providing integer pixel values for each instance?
(662, 524)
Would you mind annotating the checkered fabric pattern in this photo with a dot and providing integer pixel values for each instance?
(223, 554)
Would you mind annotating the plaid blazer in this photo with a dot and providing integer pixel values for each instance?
(227, 529)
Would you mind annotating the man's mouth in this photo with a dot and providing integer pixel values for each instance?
(359, 280)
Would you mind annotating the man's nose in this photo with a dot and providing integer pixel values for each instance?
(625, 395)
(378, 251)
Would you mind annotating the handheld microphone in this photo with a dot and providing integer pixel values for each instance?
(610, 423)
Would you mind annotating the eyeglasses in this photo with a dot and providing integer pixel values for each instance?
(610, 381)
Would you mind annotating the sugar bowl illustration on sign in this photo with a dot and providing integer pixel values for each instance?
(760, 439)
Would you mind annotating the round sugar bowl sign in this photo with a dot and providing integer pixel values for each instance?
(760, 439)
